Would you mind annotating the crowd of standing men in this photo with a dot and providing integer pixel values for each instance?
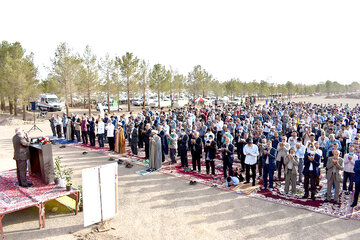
(295, 140)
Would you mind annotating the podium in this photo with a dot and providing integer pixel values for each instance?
(41, 162)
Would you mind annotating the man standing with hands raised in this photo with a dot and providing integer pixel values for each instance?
(251, 152)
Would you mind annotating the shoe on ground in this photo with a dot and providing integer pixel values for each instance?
(246, 182)
(271, 189)
(313, 198)
(263, 188)
(353, 205)
(305, 196)
(347, 193)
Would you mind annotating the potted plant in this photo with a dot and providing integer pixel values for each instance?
(59, 172)
(68, 176)
(62, 173)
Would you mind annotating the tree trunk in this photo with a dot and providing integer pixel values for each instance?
(10, 106)
(24, 112)
(144, 98)
(118, 97)
(84, 102)
(89, 101)
(108, 102)
(171, 98)
(2, 103)
(158, 98)
(15, 106)
(71, 97)
(66, 100)
(128, 93)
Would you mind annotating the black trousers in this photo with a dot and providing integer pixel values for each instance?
(242, 161)
(253, 171)
(21, 167)
(84, 137)
(64, 130)
(111, 143)
(58, 130)
(196, 160)
(218, 138)
(310, 178)
(134, 148)
(280, 164)
(260, 162)
(141, 143)
(356, 193)
(350, 176)
(72, 132)
(147, 150)
(210, 163)
(53, 129)
(92, 138)
(227, 166)
(184, 159)
(77, 134)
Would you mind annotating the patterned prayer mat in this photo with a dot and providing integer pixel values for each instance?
(341, 210)
(13, 197)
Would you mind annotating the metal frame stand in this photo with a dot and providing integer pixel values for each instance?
(34, 128)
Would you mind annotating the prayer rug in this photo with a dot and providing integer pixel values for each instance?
(342, 210)
(13, 197)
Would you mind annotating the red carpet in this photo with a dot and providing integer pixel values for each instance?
(13, 197)
(342, 210)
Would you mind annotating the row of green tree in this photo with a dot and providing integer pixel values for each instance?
(72, 75)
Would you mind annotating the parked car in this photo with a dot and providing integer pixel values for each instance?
(140, 102)
(105, 107)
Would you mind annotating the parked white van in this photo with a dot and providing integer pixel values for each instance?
(49, 102)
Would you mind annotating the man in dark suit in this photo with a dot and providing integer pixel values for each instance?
(183, 148)
(196, 151)
(311, 163)
(21, 145)
(141, 133)
(164, 142)
(357, 183)
(147, 135)
(210, 155)
(228, 157)
(269, 166)
(133, 139)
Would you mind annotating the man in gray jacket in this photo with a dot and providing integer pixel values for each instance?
(21, 144)
(334, 166)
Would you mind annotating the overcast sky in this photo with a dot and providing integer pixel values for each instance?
(301, 41)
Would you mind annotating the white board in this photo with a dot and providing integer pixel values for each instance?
(91, 196)
(99, 193)
(108, 180)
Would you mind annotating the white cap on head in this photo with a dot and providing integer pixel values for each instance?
(18, 130)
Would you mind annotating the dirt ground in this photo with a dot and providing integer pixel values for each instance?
(158, 206)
